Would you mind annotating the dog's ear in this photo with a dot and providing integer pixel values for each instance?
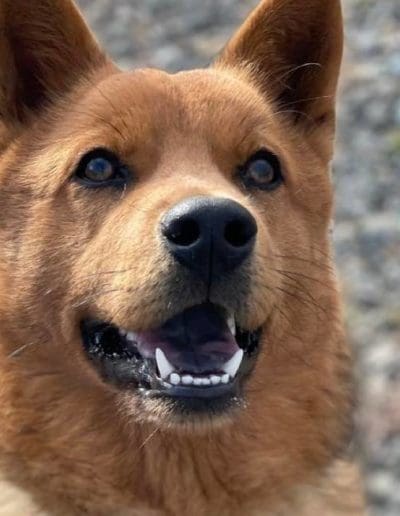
(45, 47)
(293, 51)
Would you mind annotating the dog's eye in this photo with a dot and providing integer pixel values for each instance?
(261, 171)
(101, 167)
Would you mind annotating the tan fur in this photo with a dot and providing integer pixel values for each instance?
(71, 444)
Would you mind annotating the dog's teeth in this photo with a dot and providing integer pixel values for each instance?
(232, 324)
(164, 367)
(187, 379)
(122, 332)
(231, 366)
(131, 336)
(175, 379)
(215, 380)
(198, 381)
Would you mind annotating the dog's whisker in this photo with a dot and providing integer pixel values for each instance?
(16, 353)
(104, 273)
(148, 439)
(97, 294)
(322, 266)
(296, 68)
(296, 112)
(301, 299)
(288, 274)
(100, 118)
(308, 99)
(297, 285)
(115, 109)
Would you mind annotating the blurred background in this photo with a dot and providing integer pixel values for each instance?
(179, 34)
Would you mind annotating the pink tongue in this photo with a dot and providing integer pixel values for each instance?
(198, 340)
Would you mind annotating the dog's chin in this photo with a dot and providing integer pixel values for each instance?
(193, 366)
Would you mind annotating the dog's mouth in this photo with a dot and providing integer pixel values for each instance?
(200, 354)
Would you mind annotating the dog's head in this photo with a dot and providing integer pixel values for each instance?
(165, 251)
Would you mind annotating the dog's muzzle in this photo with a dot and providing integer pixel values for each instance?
(200, 356)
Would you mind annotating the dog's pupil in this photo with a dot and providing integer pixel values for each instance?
(261, 171)
(99, 169)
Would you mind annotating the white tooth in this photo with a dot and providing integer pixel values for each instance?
(164, 367)
(122, 332)
(232, 365)
(232, 324)
(197, 381)
(214, 379)
(175, 379)
(131, 336)
(225, 378)
(187, 379)
(206, 381)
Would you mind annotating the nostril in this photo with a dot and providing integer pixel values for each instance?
(239, 233)
(182, 232)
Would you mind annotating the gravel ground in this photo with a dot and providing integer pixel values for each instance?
(177, 34)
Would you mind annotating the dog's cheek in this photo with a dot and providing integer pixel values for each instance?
(121, 272)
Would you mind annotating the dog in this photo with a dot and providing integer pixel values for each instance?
(171, 333)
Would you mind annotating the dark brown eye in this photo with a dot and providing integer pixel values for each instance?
(101, 167)
(261, 171)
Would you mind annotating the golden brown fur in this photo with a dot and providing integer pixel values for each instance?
(69, 443)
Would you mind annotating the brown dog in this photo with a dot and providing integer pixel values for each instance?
(170, 326)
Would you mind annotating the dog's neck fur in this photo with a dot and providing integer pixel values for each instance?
(337, 493)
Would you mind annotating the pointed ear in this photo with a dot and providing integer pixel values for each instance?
(45, 48)
(293, 50)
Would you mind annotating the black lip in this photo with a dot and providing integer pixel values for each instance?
(194, 392)
(208, 402)
(119, 363)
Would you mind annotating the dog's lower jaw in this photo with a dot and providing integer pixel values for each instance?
(104, 464)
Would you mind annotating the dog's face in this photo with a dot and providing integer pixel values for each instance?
(164, 248)
(165, 238)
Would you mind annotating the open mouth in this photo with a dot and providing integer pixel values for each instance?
(200, 354)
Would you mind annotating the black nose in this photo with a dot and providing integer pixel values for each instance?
(210, 236)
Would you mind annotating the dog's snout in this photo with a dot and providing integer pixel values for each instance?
(209, 235)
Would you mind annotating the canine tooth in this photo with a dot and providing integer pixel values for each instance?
(197, 381)
(122, 332)
(225, 378)
(164, 367)
(232, 324)
(187, 379)
(131, 336)
(215, 380)
(232, 365)
(175, 379)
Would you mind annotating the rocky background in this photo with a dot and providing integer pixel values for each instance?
(177, 34)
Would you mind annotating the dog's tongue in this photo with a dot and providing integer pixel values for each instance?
(197, 340)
